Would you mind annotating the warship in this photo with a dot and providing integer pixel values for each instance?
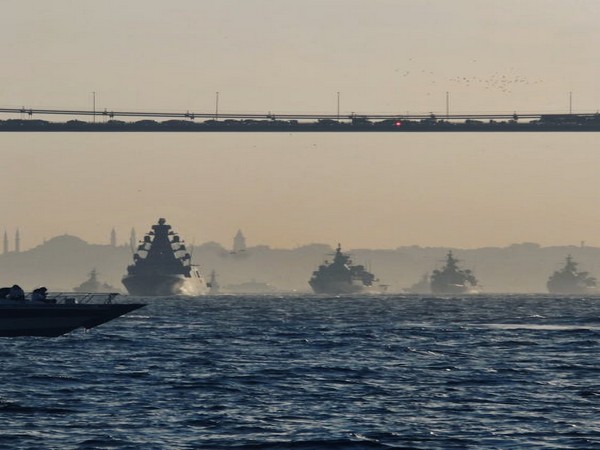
(341, 277)
(451, 279)
(163, 266)
(569, 281)
(93, 285)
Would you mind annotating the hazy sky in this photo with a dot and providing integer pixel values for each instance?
(289, 55)
(365, 190)
(369, 190)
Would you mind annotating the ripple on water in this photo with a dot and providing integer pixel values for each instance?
(313, 373)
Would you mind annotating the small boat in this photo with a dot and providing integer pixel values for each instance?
(59, 314)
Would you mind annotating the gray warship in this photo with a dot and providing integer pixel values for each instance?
(341, 277)
(93, 285)
(163, 266)
(451, 279)
(569, 280)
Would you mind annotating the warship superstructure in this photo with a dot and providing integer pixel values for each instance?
(451, 279)
(163, 266)
(569, 280)
(341, 277)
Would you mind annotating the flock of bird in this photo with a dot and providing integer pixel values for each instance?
(498, 81)
(503, 82)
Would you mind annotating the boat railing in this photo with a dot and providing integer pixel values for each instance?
(72, 298)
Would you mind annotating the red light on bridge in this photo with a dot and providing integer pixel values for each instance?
(398, 123)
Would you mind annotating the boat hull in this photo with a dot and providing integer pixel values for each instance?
(51, 320)
(573, 289)
(164, 285)
(343, 288)
(451, 289)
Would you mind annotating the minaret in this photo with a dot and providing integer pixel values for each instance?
(132, 240)
(239, 242)
(17, 242)
(5, 242)
(113, 238)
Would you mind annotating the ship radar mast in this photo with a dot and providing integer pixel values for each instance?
(451, 261)
(341, 258)
(570, 265)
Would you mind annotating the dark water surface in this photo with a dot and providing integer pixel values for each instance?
(313, 373)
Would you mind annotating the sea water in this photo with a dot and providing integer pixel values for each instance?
(313, 373)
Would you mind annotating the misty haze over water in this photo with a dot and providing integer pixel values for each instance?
(291, 369)
(65, 261)
(366, 191)
(397, 202)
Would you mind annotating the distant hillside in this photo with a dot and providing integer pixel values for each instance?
(517, 268)
(62, 263)
(65, 261)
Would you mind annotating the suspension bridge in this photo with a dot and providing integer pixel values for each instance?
(33, 119)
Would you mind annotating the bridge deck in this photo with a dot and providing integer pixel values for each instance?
(242, 122)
